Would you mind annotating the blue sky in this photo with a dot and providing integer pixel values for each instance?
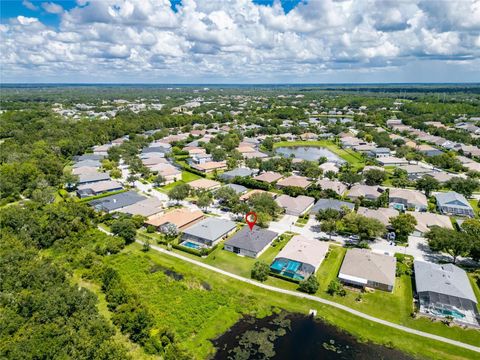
(239, 41)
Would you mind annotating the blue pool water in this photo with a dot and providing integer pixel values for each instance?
(287, 268)
(191, 245)
(445, 312)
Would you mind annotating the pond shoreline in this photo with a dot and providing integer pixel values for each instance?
(287, 335)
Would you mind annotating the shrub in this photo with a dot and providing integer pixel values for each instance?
(336, 288)
(310, 285)
(260, 271)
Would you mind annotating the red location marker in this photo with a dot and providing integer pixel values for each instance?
(251, 219)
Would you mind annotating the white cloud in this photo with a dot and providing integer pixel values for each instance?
(52, 8)
(237, 39)
(29, 5)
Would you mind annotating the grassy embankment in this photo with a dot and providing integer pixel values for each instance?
(197, 312)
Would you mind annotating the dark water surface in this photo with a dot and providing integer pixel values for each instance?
(311, 153)
(295, 336)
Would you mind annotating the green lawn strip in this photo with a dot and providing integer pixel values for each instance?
(474, 205)
(330, 266)
(230, 262)
(475, 288)
(196, 314)
(188, 176)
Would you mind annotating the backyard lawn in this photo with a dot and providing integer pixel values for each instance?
(186, 178)
(203, 305)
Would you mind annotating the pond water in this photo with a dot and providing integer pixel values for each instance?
(295, 336)
(311, 153)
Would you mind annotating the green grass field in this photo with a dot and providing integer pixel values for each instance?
(196, 314)
(186, 178)
(351, 156)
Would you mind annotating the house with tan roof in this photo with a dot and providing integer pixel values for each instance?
(365, 269)
(425, 220)
(181, 218)
(168, 171)
(204, 184)
(403, 199)
(299, 258)
(365, 191)
(295, 206)
(334, 185)
(210, 166)
(383, 214)
(268, 177)
(294, 180)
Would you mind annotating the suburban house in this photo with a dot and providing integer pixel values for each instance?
(364, 191)
(380, 152)
(268, 177)
(98, 188)
(87, 163)
(168, 171)
(148, 207)
(181, 218)
(208, 232)
(391, 161)
(334, 185)
(300, 258)
(404, 199)
(240, 172)
(210, 166)
(84, 170)
(117, 201)
(239, 189)
(444, 290)
(383, 214)
(250, 243)
(415, 172)
(425, 220)
(366, 269)
(294, 180)
(92, 177)
(329, 166)
(453, 203)
(324, 204)
(200, 158)
(295, 206)
(204, 184)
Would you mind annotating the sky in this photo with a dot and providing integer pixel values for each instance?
(239, 41)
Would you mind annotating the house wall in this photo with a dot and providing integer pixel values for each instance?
(456, 211)
(242, 252)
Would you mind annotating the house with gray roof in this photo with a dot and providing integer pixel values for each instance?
(94, 157)
(239, 189)
(115, 202)
(230, 175)
(92, 177)
(209, 231)
(87, 163)
(379, 152)
(324, 204)
(250, 243)
(295, 206)
(444, 290)
(453, 203)
(363, 268)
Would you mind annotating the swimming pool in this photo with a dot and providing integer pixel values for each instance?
(446, 312)
(287, 268)
(191, 245)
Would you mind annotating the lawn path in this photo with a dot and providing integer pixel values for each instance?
(317, 299)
